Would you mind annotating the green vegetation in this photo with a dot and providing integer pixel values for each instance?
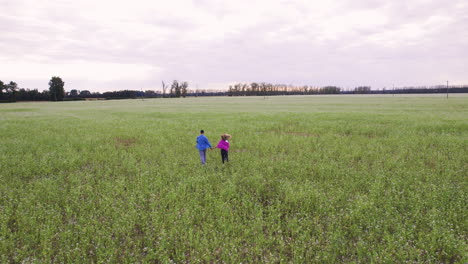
(56, 90)
(321, 179)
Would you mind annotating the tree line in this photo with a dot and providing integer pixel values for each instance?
(262, 89)
(10, 92)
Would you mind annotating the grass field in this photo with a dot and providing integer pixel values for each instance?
(321, 179)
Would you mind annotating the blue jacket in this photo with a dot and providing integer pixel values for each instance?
(202, 142)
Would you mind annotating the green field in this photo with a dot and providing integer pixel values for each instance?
(323, 179)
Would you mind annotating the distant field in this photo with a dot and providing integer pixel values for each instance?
(322, 179)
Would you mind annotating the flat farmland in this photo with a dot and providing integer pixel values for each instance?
(321, 179)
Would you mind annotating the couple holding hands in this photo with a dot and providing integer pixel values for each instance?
(203, 144)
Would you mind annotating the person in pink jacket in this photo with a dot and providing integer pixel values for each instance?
(224, 146)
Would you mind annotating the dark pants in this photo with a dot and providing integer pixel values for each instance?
(224, 155)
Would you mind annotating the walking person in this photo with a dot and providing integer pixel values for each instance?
(202, 145)
(224, 146)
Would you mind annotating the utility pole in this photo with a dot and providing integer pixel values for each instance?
(447, 89)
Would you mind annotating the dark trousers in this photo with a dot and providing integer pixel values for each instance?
(224, 155)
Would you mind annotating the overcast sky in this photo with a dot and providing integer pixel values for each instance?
(103, 45)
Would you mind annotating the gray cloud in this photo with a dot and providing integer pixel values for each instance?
(348, 43)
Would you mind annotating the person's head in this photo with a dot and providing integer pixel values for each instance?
(202, 131)
(225, 136)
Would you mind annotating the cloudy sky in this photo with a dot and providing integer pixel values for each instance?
(103, 45)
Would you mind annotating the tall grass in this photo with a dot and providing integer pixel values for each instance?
(310, 179)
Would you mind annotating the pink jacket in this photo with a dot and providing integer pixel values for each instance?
(223, 145)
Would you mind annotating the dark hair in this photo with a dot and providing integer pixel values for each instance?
(202, 131)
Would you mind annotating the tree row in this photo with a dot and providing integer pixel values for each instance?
(10, 92)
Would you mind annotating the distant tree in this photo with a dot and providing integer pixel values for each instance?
(362, 89)
(262, 89)
(12, 89)
(45, 95)
(239, 89)
(23, 95)
(56, 89)
(2, 87)
(330, 90)
(34, 93)
(74, 93)
(85, 93)
(175, 89)
(244, 88)
(254, 86)
(164, 88)
(150, 93)
(184, 89)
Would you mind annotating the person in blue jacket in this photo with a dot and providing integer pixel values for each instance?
(202, 145)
